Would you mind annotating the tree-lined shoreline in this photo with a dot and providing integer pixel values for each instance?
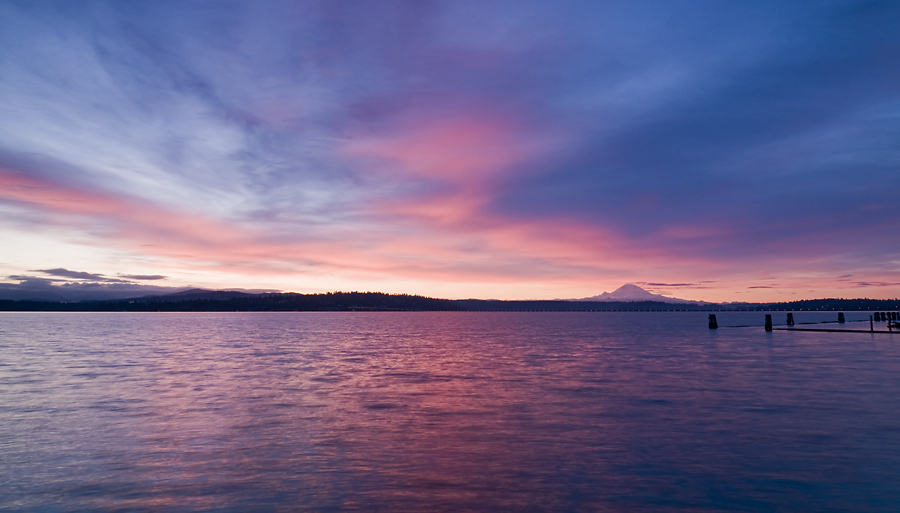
(230, 301)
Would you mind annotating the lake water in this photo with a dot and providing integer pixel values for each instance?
(445, 411)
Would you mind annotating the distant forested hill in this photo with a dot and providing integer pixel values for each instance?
(223, 302)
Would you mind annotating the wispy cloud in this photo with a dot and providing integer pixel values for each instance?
(865, 284)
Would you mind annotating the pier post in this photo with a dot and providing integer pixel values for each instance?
(713, 324)
(871, 326)
(768, 322)
(841, 317)
(790, 319)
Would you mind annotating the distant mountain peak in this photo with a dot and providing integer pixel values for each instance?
(631, 289)
(631, 292)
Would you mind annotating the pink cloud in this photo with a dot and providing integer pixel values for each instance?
(128, 217)
(473, 155)
(462, 151)
(454, 162)
(137, 224)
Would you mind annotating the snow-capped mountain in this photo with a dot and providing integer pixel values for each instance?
(631, 292)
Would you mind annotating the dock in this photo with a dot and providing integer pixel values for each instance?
(891, 318)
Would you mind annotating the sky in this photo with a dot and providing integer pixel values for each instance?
(718, 151)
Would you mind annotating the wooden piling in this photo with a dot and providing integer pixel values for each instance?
(790, 319)
(841, 318)
(713, 324)
(768, 322)
(871, 324)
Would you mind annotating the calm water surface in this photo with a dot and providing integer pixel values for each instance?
(444, 412)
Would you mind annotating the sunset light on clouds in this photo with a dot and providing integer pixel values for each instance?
(512, 150)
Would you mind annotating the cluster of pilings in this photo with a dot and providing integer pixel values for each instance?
(885, 316)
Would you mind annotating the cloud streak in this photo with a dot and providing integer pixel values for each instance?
(143, 277)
